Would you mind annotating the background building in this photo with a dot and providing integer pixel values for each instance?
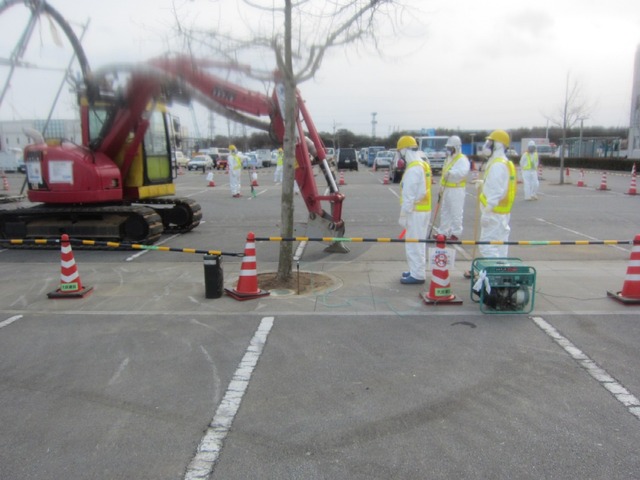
(634, 125)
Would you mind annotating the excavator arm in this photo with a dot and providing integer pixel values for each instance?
(193, 78)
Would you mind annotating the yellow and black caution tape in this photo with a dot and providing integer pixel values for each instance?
(449, 242)
(117, 245)
(158, 248)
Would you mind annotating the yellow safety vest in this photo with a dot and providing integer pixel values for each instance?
(445, 171)
(423, 205)
(237, 162)
(279, 159)
(504, 205)
(531, 162)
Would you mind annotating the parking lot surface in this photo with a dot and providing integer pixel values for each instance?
(147, 378)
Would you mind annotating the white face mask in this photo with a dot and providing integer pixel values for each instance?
(487, 148)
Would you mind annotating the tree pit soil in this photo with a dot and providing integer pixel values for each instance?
(300, 283)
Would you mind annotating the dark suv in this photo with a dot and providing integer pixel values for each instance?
(347, 159)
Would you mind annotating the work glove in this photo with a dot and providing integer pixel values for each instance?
(478, 183)
(402, 221)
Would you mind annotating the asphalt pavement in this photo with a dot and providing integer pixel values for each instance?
(147, 378)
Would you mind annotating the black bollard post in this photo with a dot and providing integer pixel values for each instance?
(213, 276)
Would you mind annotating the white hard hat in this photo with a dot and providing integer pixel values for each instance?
(454, 141)
(531, 143)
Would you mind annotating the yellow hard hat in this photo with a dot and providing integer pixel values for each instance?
(279, 149)
(500, 136)
(232, 148)
(407, 142)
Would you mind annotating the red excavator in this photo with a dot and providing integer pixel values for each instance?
(118, 183)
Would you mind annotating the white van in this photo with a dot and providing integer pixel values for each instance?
(181, 159)
(264, 157)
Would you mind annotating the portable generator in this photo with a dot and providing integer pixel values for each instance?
(503, 285)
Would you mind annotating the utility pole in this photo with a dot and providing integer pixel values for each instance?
(373, 125)
(335, 126)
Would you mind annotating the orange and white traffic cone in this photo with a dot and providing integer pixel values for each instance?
(341, 181)
(247, 287)
(632, 186)
(440, 289)
(70, 283)
(630, 293)
(210, 182)
(385, 180)
(180, 170)
(254, 178)
(5, 182)
(540, 172)
(581, 181)
(603, 182)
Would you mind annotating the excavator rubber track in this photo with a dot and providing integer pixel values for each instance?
(123, 223)
(179, 214)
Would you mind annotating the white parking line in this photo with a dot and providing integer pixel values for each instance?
(142, 252)
(575, 232)
(621, 394)
(10, 320)
(210, 446)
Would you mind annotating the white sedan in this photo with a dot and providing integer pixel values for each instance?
(383, 159)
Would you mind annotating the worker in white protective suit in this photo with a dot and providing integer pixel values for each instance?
(529, 167)
(415, 210)
(498, 191)
(235, 171)
(277, 176)
(453, 184)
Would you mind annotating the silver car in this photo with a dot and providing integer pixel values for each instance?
(383, 159)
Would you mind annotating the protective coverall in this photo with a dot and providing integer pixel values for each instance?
(415, 213)
(277, 176)
(235, 172)
(453, 182)
(496, 198)
(529, 167)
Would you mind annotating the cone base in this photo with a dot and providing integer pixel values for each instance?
(77, 294)
(625, 300)
(632, 192)
(233, 293)
(446, 300)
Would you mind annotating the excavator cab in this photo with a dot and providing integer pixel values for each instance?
(148, 173)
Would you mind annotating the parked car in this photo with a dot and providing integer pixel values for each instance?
(383, 159)
(396, 170)
(264, 157)
(363, 155)
(181, 159)
(250, 160)
(371, 154)
(200, 162)
(330, 154)
(347, 159)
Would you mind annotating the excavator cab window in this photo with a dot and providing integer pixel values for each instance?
(157, 149)
(98, 118)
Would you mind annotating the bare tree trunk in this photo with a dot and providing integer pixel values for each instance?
(285, 260)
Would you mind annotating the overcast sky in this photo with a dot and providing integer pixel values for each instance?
(456, 64)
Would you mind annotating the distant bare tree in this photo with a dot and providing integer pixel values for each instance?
(299, 34)
(573, 109)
